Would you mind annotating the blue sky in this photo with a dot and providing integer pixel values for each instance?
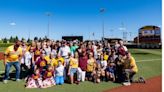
(77, 17)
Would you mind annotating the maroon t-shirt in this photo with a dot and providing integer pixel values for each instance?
(37, 53)
(83, 62)
(41, 63)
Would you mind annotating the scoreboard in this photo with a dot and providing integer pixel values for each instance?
(71, 38)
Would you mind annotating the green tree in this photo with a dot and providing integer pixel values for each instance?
(35, 38)
(11, 40)
(23, 39)
(16, 38)
(5, 40)
(29, 41)
(40, 39)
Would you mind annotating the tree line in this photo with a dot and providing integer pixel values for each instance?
(13, 39)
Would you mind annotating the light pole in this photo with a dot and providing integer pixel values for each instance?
(102, 11)
(111, 30)
(130, 35)
(124, 32)
(48, 14)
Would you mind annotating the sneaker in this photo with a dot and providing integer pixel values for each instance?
(77, 82)
(141, 80)
(18, 80)
(126, 83)
(4, 81)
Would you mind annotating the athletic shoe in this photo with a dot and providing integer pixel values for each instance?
(18, 80)
(126, 83)
(4, 81)
(77, 82)
(141, 80)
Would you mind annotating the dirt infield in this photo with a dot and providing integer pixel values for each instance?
(152, 85)
(1, 56)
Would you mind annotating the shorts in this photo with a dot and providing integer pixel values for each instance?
(73, 71)
(88, 74)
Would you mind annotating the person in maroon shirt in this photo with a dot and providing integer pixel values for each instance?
(83, 57)
(41, 63)
(48, 77)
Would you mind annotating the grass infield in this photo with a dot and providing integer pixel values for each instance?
(150, 66)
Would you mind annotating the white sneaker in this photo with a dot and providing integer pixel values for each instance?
(126, 83)
(18, 80)
(5, 81)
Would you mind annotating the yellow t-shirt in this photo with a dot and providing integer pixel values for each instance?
(54, 61)
(130, 64)
(12, 55)
(28, 48)
(47, 58)
(106, 57)
(90, 65)
(133, 64)
(74, 63)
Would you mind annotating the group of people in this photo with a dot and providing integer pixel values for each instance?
(45, 63)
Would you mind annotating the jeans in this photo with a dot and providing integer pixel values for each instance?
(59, 80)
(7, 69)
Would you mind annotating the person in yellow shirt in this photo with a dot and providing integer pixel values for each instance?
(106, 56)
(73, 67)
(55, 61)
(130, 67)
(48, 59)
(12, 55)
(91, 65)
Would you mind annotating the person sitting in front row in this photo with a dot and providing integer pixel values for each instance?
(35, 80)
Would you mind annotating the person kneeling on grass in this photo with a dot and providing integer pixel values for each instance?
(35, 80)
(59, 71)
(130, 68)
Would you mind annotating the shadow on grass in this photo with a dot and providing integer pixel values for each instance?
(12, 75)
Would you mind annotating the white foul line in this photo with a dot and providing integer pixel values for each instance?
(148, 60)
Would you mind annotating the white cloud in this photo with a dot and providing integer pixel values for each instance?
(12, 24)
(121, 28)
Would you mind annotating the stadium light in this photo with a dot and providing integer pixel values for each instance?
(111, 30)
(124, 31)
(48, 14)
(102, 11)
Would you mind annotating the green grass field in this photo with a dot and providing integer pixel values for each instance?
(148, 69)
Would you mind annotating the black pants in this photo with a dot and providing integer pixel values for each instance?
(27, 71)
